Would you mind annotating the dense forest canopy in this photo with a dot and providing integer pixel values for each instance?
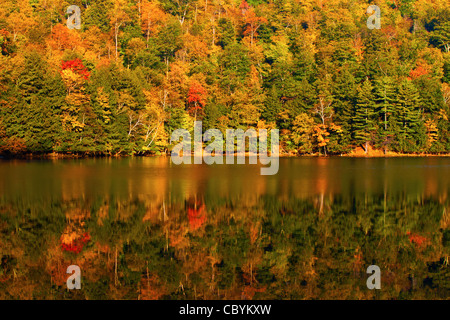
(136, 70)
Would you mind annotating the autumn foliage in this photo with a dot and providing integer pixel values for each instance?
(297, 66)
(76, 65)
(196, 215)
(75, 245)
(196, 97)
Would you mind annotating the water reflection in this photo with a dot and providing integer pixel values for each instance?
(142, 228)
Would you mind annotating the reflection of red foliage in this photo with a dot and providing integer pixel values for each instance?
(77, 245)
(197, 216)
(76, 65)
(416, 239)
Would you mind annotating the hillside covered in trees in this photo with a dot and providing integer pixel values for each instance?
(136, 70)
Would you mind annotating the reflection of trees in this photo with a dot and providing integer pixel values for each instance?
(224, 248)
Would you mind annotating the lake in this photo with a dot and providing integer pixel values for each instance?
(144, 228)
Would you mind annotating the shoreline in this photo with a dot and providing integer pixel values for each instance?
(57, 156)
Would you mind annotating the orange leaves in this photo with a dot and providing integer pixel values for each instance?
(419, 71)
(151, 287)
(320, 132)
(244, 6)
(13, 145)
(358, 261)
(151, 18)
(195, 47)
(62, 38)
(249, 292)
(252, 24)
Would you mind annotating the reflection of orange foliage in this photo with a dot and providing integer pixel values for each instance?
(417, 239)
(254, 232)
(102, 248)
(58, 272)
(358, 262)
(74, 245)
(77, 215)
(249, 292)
(197, 216)
(151, 288)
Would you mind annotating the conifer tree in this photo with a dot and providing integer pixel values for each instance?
(408, 115)
(364, 116)
(385, 96)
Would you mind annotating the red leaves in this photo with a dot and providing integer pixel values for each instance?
(196, 97)
(196, 216)
(77, 245)
(197, 94)
(76, 65)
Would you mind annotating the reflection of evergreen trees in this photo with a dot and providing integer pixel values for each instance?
(293, 249)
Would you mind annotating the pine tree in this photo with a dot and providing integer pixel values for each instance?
(385, 96)
(408, 115)
(364, 117)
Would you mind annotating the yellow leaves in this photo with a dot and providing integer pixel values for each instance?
(103, 101)
(443, 115)
(334, 127)
(152, 18)
(320, 132)
(302, 132)
(268, 126)
(119, 14)
(73, 81)
(279, 51)
(195, 47)
(135, 46)
(446, 94)
(155, 105)
(432, 132)
(20, 21)
(75, 99)
(125, 101)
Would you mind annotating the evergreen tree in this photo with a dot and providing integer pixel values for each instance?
(385, 95)
(364, 121)
(408, 115)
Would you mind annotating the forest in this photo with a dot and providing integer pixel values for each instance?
(136, 70)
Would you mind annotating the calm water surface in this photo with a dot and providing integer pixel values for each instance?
(143, 228)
